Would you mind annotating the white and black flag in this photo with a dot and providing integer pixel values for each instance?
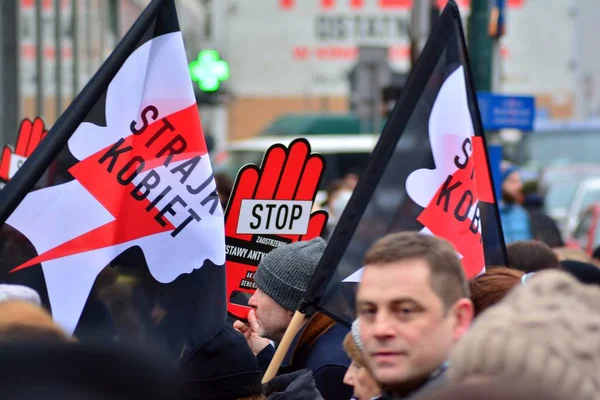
(429, 173)
(114, 219)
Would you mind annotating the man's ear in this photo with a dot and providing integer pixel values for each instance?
(462, 315)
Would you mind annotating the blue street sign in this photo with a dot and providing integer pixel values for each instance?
(502, 112)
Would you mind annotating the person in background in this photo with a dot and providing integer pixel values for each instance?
(298, 385)
(516, 223)
(350, 180)
(282, 278)
(531, 256)
(544, 228)
(10, 292)
(413, 305)
(587, 273)
(338, 194)
(489, 288)
(83, 371)
(505, 388)
(544, 331)
(568, 253)
(22, 321)
(358, 375)
(389, 96)
(224, 188)
(224, 368)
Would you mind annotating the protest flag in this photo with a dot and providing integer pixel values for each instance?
(429, 172)
(126, 235)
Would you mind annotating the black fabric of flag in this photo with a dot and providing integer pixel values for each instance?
(428, 173)
(114, 218)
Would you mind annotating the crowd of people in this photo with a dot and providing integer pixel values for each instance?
(527, 329)
(423, 331)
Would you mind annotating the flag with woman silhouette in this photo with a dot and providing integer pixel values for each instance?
(429, 172)
(127, 239)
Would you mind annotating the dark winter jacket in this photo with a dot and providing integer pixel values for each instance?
(297, 385)
(436, 380)
(318, 348)
(545, 229)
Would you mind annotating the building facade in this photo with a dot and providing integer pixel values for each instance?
(295, 55)
(51, 48)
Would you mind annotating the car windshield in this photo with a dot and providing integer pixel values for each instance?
(590, 196)
(560, 193)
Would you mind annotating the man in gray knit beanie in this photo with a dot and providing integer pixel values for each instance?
(285, 272)
(281, 279)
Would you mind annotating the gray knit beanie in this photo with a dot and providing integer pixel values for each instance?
(547, 331)
(356, 334)
(18, 292)
(284, 273)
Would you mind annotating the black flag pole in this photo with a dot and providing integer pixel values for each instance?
(33, 169)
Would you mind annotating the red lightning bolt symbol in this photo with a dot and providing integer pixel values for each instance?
(132, 221)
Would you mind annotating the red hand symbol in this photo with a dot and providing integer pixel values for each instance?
(285, 174)
(30, 135)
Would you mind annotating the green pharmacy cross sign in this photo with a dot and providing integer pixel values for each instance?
(209, 70)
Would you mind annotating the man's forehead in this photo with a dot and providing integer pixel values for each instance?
(409, 277)
(412, 267)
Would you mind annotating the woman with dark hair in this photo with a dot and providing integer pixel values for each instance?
(531, 256)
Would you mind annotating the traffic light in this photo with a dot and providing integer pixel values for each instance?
(208, 70)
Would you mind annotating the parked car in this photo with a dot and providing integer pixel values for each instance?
(587, 232)
(587, 193)
(559, 185)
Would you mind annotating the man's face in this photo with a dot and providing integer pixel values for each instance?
(512, 188)
(406, 332)
(272, 318)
